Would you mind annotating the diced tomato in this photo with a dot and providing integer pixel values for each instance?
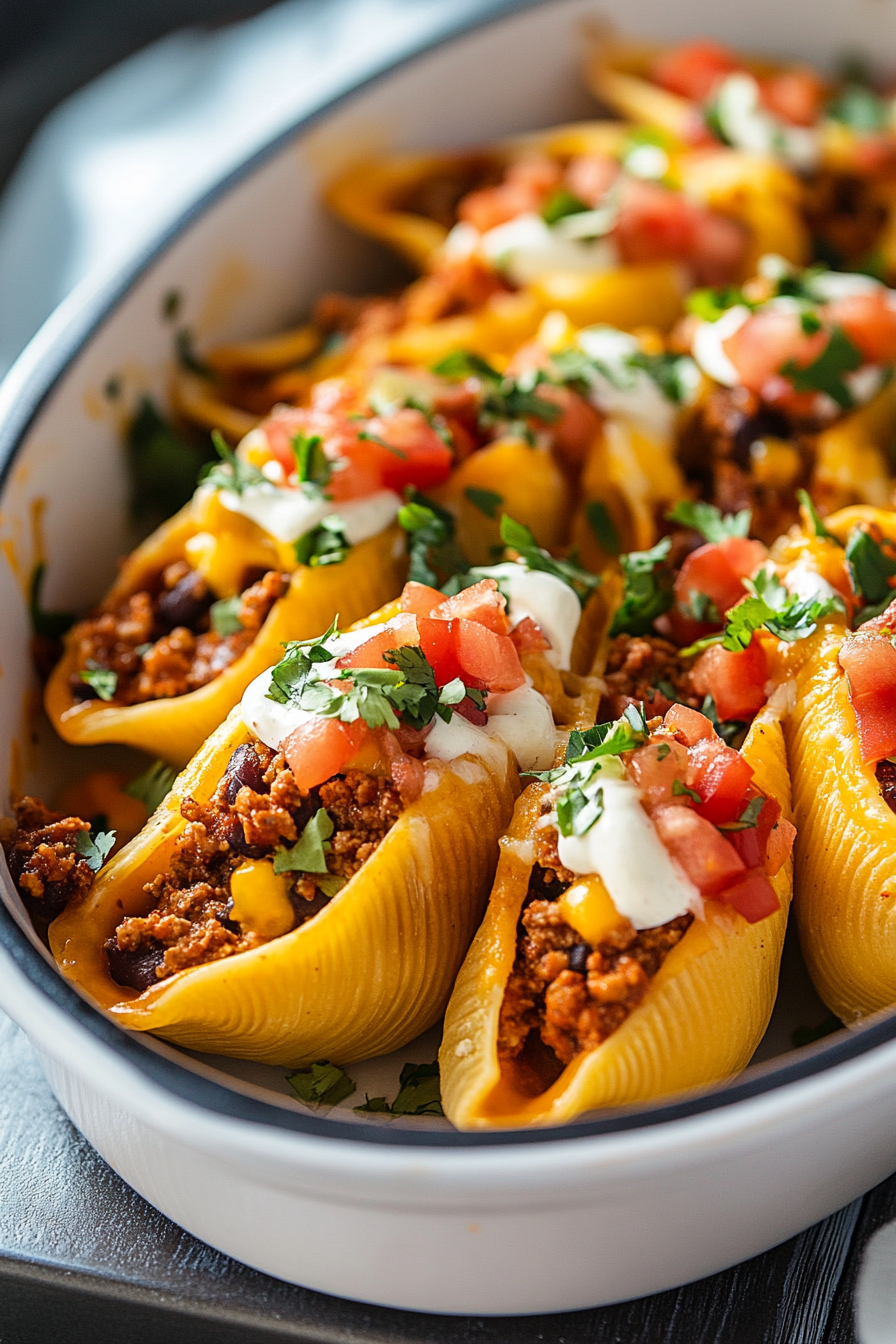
(690, 724)
(869, 660)
(415, 454)
(319, 748)
(590, 176)
(767, 340)
(716, 571)
(795, 95)
(885, 621)
(483, 603)
(573, 434)
(436, 643)
(780, 844)
(718, 249)
(528, 637)
(709, 860)
(654, 224)
(694, 69)
(736, 681)
(486, 656)
(720, 776)
(400, 631)
(419, 598)
(523, 191)
(409, 776)
(655, 767)
(869, 322)
(682, 630)
(752, 843)
(753, 896)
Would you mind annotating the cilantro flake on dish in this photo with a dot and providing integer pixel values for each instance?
(323, 1084)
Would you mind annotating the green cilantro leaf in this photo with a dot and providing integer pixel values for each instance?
(225, 616)
(325, 544)
(871, 567)
(522, 540)
(560, 204)
(591, 755)
(420, 1093)
(748, 818)
(859, 108)
(731, 731)
(434, 554)
(416, 697)
(152, 786)
(608, 739)
(100, 679)
(324, 1084)
(577, 813)
(94, 848)
(711, 304)
(504, 399)
(374, 1105)
(378, 439)
(680, 790)
(308, 854)
(163, 464)
(709, 521)
(231, 473)
(288, 677)
(825, 374)
(486, 501)
(815, 520)
(313, 467)
(647, 592)
(602, 526)
(460, 364)
(674, 375)
(330, 884)
(49, 624)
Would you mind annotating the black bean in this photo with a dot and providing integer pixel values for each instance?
(185, 603)
(80, 690)
(768, 422)
(244, 769)
(230, 828)
(136, 970)
(578, 958)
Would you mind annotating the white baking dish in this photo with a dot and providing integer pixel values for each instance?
(409, 1215)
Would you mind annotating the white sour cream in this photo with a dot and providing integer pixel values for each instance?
(527, 247)
(546, 600)
(523, 720)
(289, 514)
(626, 392)
(803, 581)
(459, 737)
(748, 126)
(707, 347)
(646, 884)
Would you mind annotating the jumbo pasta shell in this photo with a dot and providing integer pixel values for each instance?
(174, 728)
(701, 1020)
(366, 975)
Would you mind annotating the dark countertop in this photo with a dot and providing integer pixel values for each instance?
(85, 1260)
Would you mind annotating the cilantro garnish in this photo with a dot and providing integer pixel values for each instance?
(788, 616)
(504, 398)
(288, 677)
(94, 848)
(313, 467)
(419, 1094)
(224, 615)
(163, 464)
(872, 564)
(433, 552)
(825, 374)
(521, 539)
(100, 679)
(815, 521)
(486, 501)
(602, 526)
(325, 544)
(152, 786)
(860, 108)
(231, 473)
(729, 730)
(673, 374)
(748, 818)
(560, 204)
(323, 1084)
(680, 790)
(647, 592)
(49, 624)
(711, 304)
(709, 521)
(187, 357)
(309, 853)
(591, 755)
(377, 439)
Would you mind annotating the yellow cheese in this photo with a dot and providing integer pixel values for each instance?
(260, 899)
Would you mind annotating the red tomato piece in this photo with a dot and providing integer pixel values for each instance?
(694, 69)
(736, 681)
(590, 176)
(795, 95)
(436, 643)
(869, 322)
(709, 860)
(482, 603)
(720, 776)
(885, 621)
(753, 896)
(528, 637)
(718, 249)
(654, 224)
(319, 748)
(419, 598)
(780, 844)
(415, 454)
(690, 724)
(490, 658)
(752, 844)
(707, 572)
(767, 340)
(409, 776)
(523, 191)
(574, 432)
(743, 554)
(655, 767)
(869, 660)
(400, 631)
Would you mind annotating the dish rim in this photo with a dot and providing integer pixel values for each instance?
(24, 391)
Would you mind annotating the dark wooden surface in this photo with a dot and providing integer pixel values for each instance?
(84, 1260)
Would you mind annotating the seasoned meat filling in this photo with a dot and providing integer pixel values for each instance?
(572, 995)
(256, 807)
(649, 670)
(43, 856)
(886, 778)
(159, 641)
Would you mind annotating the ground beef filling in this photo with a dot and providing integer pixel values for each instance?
(256, 807)
(159, 641)
(568, 994)
(649, 670)
(42, 853)
(886, 778)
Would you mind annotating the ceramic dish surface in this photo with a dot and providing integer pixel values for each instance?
(406, 1213)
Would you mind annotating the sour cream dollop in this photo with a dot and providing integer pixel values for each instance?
(546, 600)
(288, 514)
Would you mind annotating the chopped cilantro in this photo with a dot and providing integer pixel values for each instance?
(710, 304)
(486, 501)
(674, 375)
(591, 755)
(323, 1084)
(788, 616)
(859, 108)
(461, 364)
(815, 521)
(682, 791)
(504, 399)
(671, 373)
(602, 526)
(172, 302)
(416, 697)
(748, 818)
(100, 679)
(313, 467)
(231, 472)
(662, 751)
(608, 739)
(163, 464)
(49, 624)
(225, 615)
(376, 438)
(731, 731)
(872, 564)
(434, 553)
(709, 521)
(288, 677)
(560, 204)
(187, 357)
(325, 544)
(309, 853)
(647, 592)
(94, 848)
(577, 813)
(152, 786)
(521, 539)
(374, 1105)
(810, 322)
(419, 1093)
(825, 374)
